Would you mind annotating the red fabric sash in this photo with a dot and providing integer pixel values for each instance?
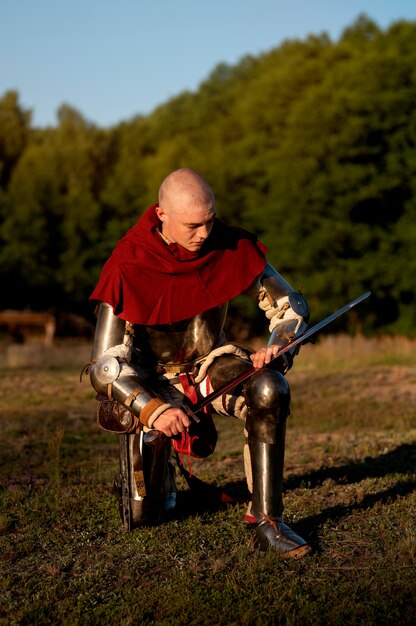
(147, 282)
(200, 440)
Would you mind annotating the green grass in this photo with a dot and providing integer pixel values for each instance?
(350, 490)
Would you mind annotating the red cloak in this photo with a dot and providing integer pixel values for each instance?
(147, 282)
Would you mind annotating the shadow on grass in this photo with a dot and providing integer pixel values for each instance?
(204, 497)
(310, 526)
(401, 460)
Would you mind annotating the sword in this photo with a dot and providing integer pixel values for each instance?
(198, 406)
(191, 411)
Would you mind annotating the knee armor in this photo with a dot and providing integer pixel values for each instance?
(267, 395)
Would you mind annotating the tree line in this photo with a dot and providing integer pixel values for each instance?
(311, 145)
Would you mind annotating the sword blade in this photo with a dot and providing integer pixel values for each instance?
(292, 344)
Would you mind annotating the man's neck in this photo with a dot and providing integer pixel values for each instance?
(163, 237)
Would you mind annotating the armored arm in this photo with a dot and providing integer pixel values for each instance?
(113, 376)
(285, 308)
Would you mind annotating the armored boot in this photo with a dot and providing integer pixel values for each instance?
(268, 396)
(146, 486)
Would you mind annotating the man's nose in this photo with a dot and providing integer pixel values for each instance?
(203, 231)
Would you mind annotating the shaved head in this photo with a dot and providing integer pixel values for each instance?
(186, 209)
(184, 188)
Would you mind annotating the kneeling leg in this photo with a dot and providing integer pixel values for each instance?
(146, 487)
(267, 397)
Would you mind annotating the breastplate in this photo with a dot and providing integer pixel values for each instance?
(182, 342)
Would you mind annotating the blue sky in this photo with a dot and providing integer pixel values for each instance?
(113, 59)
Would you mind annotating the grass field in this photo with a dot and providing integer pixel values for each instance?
(350, 490)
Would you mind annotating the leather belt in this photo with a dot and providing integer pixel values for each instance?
(175, 368)
(175, 380)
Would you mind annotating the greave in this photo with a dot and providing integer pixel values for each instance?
(267, 462)
(268, 396)
(146, 480)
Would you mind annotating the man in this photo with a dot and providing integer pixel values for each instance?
(162, 298)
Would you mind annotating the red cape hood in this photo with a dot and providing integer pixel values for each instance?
(148, 282)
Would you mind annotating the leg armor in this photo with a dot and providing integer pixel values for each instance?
(146, 485)
(264, 402)
(268, 398)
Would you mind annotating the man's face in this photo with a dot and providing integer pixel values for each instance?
(188, 225)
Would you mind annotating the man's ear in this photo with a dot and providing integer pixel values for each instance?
(161, 213)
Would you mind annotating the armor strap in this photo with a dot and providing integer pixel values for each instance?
(149, 409)
(131, 398)
(86, 369)
(188, 386)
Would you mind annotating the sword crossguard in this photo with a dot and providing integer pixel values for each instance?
(187, 409)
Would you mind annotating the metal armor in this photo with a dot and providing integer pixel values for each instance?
(128, 364)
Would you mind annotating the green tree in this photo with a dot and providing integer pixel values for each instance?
(14, 134)
(51, 230)
(312, 145)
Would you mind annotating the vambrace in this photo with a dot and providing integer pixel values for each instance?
(285, 308)
(113, 377)
(117, 381)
